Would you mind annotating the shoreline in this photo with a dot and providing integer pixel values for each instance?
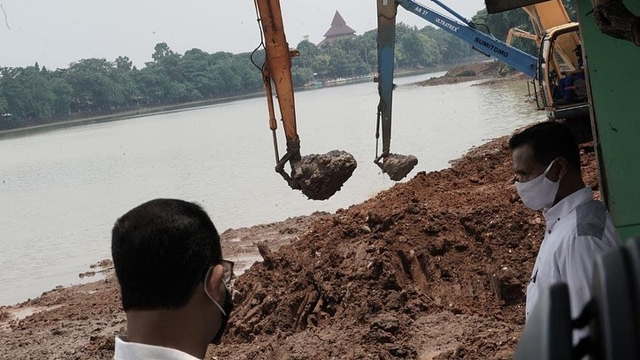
(194, 105)
(238, 244)
(141, 112)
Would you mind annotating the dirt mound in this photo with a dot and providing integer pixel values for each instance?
(457, 241)
(432, 268)
(476, 71)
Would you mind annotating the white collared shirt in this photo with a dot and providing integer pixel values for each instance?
(578, 229)
(135, 351)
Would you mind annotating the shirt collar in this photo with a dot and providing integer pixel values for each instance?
(566, 205)
(125, 350)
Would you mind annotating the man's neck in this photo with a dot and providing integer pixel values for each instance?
(569, 185)
(166, 328)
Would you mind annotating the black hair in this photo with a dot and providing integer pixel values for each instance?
(549, 140)
(161, 251)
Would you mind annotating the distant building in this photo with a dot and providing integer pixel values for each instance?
(338, 30)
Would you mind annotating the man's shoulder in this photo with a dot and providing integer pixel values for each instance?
(591, 219)
(125, 350)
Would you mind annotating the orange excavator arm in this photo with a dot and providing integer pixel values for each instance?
(522, 34)
(317, 176)
(277, 70)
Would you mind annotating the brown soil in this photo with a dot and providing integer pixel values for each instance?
(432, 268)
(490, 70)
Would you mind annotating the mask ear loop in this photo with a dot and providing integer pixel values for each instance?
(550, 166)
(206, 280)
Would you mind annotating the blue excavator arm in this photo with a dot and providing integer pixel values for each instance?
(465, 31)
(386, 61)
(395, 165)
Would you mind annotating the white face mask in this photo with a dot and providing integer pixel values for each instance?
(540, 192)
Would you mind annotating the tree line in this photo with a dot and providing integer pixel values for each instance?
(36, 95)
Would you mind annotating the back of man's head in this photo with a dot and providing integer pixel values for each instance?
(549, 140)
(161, 251)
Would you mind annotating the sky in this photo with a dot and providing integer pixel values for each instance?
(57, 32)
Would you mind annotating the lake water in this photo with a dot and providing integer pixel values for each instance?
(61, 191)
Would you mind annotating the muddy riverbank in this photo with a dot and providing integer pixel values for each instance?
(432, 268)
(490, 71)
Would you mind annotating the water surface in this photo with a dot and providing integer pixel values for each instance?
(61, 191)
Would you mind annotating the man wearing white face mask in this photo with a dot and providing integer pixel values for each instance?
(546, 160)
(173, 281)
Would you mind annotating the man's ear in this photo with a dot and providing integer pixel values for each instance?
(214, 283)
(562, 167)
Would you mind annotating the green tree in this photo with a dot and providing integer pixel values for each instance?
(28, 93)
(196, 71)
(449, 47)
(123, 63)
(94, 86)
(63, 93)
(418, 50)
(4, 106)
(160, 51)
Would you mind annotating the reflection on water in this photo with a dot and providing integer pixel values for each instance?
(61, 191)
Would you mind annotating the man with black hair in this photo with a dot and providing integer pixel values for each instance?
(173, 281)
(546, 160)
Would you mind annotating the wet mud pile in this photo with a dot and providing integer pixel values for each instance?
(363, 282)
(319, 176)
(377, 279)
(434, 268)
(491, 71)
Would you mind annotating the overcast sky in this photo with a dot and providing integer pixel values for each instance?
(57, 32)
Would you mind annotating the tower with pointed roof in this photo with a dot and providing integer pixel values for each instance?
(338, 30)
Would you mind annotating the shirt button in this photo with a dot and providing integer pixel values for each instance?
(549, 231)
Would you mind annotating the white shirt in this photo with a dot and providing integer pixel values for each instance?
(578, 230)
(135, 351)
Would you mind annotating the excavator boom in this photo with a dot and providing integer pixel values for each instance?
(395, 165)
(277, 70)
(317, 176)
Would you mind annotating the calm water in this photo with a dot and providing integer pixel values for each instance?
(61, 191)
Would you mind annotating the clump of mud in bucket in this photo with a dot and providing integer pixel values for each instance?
(319, 176)
(398, 166)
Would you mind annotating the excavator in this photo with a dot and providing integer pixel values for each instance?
(317, 176)
(557, 68)
(561, 75)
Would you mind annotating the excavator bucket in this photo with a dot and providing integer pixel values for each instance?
(321, 176)
(398, 166)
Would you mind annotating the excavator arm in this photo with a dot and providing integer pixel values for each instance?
(522, 34)
(395, 165)
(317, 176)
(277, 71)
